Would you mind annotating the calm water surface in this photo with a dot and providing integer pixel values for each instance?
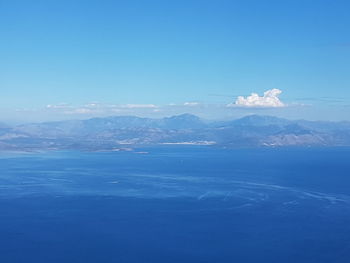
(176, 204)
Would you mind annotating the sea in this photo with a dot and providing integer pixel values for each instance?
(176, 204)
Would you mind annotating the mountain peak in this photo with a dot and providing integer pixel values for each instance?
(184, 116)
(184, 121)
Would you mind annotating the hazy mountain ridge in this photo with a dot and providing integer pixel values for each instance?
(118, 131)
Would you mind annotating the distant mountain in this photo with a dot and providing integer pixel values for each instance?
(117, 132)
(97, 125)
(258, 120)
(184, 121)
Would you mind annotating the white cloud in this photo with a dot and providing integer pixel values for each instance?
(58, 106)
(80, 111)
(139, 106)
(93, 105)
(100, 109)
(268, 100)
(191, 104)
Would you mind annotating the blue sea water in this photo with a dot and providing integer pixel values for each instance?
(176, 204)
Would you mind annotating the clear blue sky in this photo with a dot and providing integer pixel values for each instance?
(162, 52)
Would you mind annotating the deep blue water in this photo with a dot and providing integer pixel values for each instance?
(176, 204)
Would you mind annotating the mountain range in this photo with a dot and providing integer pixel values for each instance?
(123, 132)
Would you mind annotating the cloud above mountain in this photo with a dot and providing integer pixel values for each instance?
(139, 106)
(191, 104)
(270, 99)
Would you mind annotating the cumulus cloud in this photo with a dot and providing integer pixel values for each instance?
(268, 100)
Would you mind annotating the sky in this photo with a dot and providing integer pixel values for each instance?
(69, 59)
